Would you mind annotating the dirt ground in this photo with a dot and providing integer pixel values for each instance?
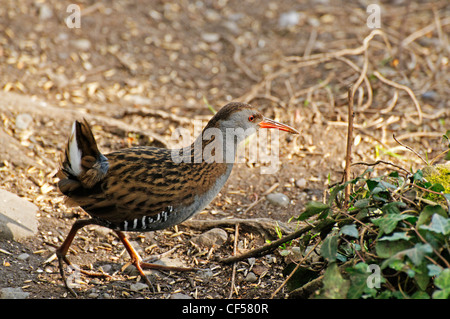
(137, 70)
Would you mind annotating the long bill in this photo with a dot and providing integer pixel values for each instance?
(268, 123)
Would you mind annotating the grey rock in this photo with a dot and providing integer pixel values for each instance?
(138, 286)
(210, 37)
(205, 274)
(17, 217)
(23, 256)
(13, 293)
(290, 19)
(430, 95)
(23, 121)
(301, 183)
(213, 237)
(251, 277)
(82, 44)
(45, 12)
(179, 295)
(93, 295)
(278, 199)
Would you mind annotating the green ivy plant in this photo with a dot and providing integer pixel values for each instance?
(390, 241)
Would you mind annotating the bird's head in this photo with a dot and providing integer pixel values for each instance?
(244, 116)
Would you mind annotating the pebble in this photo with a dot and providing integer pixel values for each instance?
(278, 199)
(45, 12)
(179, 295)
(301, 183)
(430, 95)
(93, 295)
(210, 37)
(251, 277)
(23, 256)
(289, 19)
(205, 274)
(13, 293)
(17, 217)
(23, 121)
(138, 286)
(213, 237)
(82, 44)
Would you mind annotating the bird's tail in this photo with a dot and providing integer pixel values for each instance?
(82, 165)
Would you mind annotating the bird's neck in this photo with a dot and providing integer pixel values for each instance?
(214, 146)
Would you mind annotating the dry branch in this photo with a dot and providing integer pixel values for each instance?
(266, 249)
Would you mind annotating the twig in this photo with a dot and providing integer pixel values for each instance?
(233, 276)
(355, 51)
(311, 60)
(351, 92)
(365, 78)
(424, 31)
(411, 149)
(382, 162)
(404, 88)
(446, 262)
(267, 248)
(293, 271)
(238, 61)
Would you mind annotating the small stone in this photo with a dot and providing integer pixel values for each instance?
(289, 19)
(179, 295)
(210, 37)
(138, 99)
(45, 12)
(213, 237)
(251, 277)
(430, 95)
(138, 286)
(82, 44)
(259, 270)
(278, 199)
(13, 293)
(23, 256)
(23, 121)
(205, 274)
(301, 183)
(106, 268)
(17, 217)
(93, 295)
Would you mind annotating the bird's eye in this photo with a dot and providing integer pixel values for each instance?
(251, 118)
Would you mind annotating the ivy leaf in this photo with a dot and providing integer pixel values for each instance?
(313, 208)
(349, 230)
(443, 282)
(418, 176)
(439, 224)
(433, 270)
(388, 249)
(428, 212)
(396, 236)
(329, 248)
(388, 223)
(334, 285)
(358, 275)
(418, 252)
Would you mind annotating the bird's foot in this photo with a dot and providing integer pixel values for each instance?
(72, 281)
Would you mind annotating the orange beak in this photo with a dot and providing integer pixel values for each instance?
(268, 123)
